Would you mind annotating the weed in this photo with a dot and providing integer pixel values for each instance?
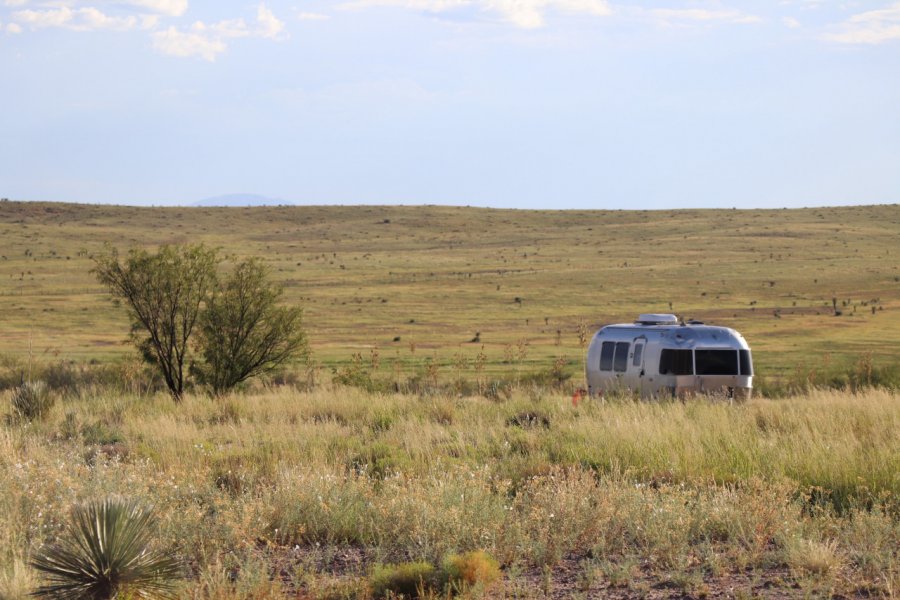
(32, 401)
(410, 579)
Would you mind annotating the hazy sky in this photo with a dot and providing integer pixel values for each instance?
(506, 103)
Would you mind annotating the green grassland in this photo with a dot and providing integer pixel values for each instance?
(434, 276)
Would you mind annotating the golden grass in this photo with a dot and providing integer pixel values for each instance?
(244, 483)
(434, 276)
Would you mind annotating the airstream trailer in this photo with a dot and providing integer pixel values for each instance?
(658, 356)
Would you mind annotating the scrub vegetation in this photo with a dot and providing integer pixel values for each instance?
(434, 441)
(340, 492)
(518, 288)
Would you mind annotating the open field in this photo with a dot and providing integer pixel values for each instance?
(315, 489)
(435, 276)
(285, 492)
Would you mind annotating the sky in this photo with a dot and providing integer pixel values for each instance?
(502, 103)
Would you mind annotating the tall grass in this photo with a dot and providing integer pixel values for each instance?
(247, 485)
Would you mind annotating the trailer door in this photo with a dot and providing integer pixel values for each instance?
(636, 366)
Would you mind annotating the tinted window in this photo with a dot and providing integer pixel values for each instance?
(676, 362)
(606, 356)
(638, 351)
(621, 360)
(746, 363)
(717, 362)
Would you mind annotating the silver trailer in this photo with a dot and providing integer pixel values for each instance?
(658, 356)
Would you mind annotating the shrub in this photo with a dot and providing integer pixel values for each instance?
(105, 551)
(476, 568)
(243, 332)
(164, 293)
(32, 400)
(411, 579)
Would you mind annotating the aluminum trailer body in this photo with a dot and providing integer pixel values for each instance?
(658, 356)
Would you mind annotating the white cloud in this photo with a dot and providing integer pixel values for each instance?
(208, 41)
(871, 27)
(187, 44)
(44, 18)
(91, 18)
(528, 14)
(269, 25)
(171, 8)
(682, 15)
(791, 22)
(202, 40)
(149, 21)
(310, 16)
(77, 19)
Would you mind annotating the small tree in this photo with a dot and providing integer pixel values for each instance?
(164, 293)
(243, 332)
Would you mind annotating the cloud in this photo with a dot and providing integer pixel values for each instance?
(77, 19)
(270, 26)
(527, 14)
(682, 15)
(38, 19)
(186, 44)
(208, 41)
(309, 16)
(791, 22)
(871, 27)
(171, 8)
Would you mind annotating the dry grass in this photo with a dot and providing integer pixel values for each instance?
(434, 276)
(285, 490)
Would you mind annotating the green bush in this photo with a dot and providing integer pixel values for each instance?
(410, 579)
(100, 433)
(32, 400)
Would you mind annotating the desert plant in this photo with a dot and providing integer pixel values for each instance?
(411, 579)
(243, 331)
(164, 293)
(105, 552)
(32, 400)
(471, 569)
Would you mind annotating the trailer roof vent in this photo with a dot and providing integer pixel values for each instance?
(654, 319)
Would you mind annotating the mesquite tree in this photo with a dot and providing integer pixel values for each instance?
(243, 332)
(164, 294)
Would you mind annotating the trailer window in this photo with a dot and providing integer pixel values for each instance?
(676, 362)
(746, 363)
(717, 362)
(606, 356)
(621, 360)
(638, 352)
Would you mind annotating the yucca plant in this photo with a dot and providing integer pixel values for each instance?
(104, 554)
(32, 400)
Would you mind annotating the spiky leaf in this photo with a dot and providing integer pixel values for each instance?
(104, 552)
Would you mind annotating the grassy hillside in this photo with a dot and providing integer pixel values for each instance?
(435, 276)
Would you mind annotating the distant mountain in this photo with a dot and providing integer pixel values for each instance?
(241, 200)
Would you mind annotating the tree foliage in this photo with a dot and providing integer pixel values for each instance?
(243, 331)
(172, 293)
(164, 293)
